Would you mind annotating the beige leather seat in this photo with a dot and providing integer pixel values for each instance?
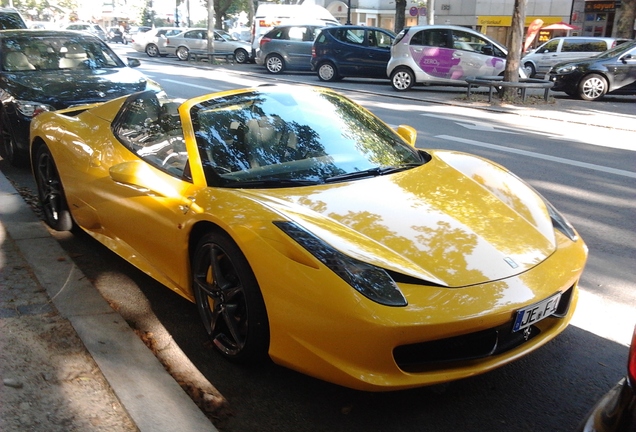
(17, 61)
(72, 56)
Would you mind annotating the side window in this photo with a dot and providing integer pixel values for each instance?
(379, 39)
(550, 47)
(434, 38)
(354, 36)
(296, 33)
(152, 130)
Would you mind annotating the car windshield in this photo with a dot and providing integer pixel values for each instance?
(617, 50)
(294, 136)
(52, 53)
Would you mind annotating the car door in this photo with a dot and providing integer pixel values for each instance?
(548, 55)
(624, 71)
(477, 56)
(349, 52)
(196, 40)
(298, 46)
(431, 50)
(377, 54)
(141, 187)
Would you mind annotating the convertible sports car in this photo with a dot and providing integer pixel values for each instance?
(304, 228)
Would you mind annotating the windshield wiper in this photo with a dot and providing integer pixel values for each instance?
(371, 172)
(269, 183)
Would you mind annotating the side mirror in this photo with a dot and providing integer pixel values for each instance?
(133, 62)
(408, 133)
(627, 57)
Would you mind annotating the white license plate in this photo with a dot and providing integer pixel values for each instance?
(536, 312)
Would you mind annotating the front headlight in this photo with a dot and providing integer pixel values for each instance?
(31, 108)
(371, 281)
(560, 222)
(564, 69)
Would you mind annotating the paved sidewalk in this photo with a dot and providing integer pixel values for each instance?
(51, 381)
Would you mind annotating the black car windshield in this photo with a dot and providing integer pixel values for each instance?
(617, 50)
(278, 136)
(54, 53)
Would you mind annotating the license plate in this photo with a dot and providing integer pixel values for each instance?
(536, 312)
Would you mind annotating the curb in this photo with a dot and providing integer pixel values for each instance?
(152, 398)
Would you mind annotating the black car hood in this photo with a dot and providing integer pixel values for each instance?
(62, 89)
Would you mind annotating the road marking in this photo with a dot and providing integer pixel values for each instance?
(540, 156)
(182, 83)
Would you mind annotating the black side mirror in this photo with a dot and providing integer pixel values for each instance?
(133, 62)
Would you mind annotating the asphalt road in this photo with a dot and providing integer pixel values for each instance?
(549, 390)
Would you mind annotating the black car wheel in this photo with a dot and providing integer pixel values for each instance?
(152, 50)
(229, 300)
(183, 53)
(241, 56)
(592, 87)
(274, 64)
(9, 148)
(327, 72)
(402, 79)
(50, 191)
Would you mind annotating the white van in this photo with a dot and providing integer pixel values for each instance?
(560, 49)
(269, 16)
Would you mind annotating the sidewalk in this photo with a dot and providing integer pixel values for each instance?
(68, 361)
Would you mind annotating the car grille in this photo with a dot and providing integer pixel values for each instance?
(438, 354)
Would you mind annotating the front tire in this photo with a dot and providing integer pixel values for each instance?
(327, 72)
(592, 87)
(9, 147)
(274, 64)
(241, 56)
(50, 191)
(402, 79)
(229, 299)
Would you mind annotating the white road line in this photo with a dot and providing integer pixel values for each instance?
(191, 85)
(540, 156)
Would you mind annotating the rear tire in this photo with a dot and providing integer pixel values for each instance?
(152, 50)
(50, 191)
(327, 72)
(529, 69)
(402, 79)
(274, 64)
(241, 56)
(183, 53)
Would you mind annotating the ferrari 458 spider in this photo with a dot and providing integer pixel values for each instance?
(306, 229)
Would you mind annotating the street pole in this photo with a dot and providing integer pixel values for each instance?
(210, 31)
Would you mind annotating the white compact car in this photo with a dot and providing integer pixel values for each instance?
(443, 54)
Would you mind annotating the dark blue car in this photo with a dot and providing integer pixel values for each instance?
(351, 51)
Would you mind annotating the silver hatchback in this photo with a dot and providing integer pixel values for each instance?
(442, 54)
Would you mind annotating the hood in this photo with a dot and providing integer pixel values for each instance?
(62, 89)
(458, 220)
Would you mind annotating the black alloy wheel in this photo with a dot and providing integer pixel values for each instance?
(50, 191)
(229, 300)
(8, 147)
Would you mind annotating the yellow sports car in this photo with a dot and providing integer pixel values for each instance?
(304, 228)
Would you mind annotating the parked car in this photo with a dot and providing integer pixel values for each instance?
(10, 18)
(196, 41)
(45, 70)
(94, 29)
(560, 49)
(351, 51)
(287, 47)
(443, 54)
(153, 42)
(616, 410)
(611, 72)
(439, 265)
(116, 35)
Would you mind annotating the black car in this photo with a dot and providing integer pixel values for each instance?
(611, 72)
(43, 70)
(351, 51)
(616, 411)
(10, 18)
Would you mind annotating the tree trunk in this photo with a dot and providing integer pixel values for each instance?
(626, 21)
(400, 11)
(513, 60)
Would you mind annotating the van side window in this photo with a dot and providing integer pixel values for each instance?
(550, 46)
